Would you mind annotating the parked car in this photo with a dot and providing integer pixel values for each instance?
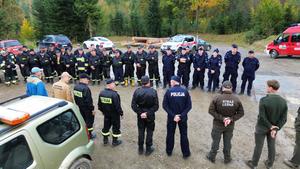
(286, 44)
(107, 44)
(203, 43)
(175, 43)
(12, 46)
(50, 133)
(56, 40)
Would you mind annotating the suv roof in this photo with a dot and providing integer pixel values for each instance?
(10, 40)
(45, 104)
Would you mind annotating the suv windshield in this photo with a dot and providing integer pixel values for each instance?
(176, 39)
(11, 43)
(283, 38)
(62, 39)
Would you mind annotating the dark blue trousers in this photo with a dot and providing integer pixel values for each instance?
(184, 142)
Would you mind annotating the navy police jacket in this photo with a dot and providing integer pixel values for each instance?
(177, 101)
(168, 62)
(232, 61)
(250, 66)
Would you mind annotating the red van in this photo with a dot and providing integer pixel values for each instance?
(12, 46)
(287, 43)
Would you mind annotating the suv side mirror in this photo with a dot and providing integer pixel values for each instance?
(275, 42)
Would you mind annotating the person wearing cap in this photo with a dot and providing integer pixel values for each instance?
(61, 89)
(214, 65)
(46, 64)
(226, 109)
(294, 162)
(152, 59)
(82, 63)
(177, 103)
(140, 61)
(34, 85)
(70, 61)
(232, 60)
(109, 104)
(184, 69)
(23, 62)
(78, 46)
(128, 59)
(95, 63)
(51, 52)
(250, 64)
(168, 61)
(117, 65)
(106, 64)
(200, 63)
(33, 59)
(83, 99)
(112, 52)
(271, 118)
(145, 103)
(59, 63)
(8, 67)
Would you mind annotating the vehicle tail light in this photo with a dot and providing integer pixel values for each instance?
(87, 133)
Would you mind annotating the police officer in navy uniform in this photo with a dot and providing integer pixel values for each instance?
(23, 62)
(145, 103)
(153, 71)
(232, 59)
(214, 66)
(109, 104)
(199, 62)
(177, 103)
(184, 67)
(83, 98)
(106, 64)
(117, 65)
(59, 62)
(168, 61)
(250, 64)
(33, 59)
(226, 109)
(128, 59)
(140, 61)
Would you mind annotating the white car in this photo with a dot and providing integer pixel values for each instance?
(177, 42)
(107, 44)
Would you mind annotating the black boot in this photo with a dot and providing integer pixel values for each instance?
(141, 150)
(116, 142)
(105, 140)
(149, 150)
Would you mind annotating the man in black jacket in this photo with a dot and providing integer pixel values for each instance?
(226, 110)
(145, 104)
(109, 104)
(294, 162)
(83, 98)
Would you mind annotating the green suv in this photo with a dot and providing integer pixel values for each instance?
(43, 133)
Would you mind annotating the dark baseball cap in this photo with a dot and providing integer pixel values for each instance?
(151, 47)
(227, 85)
(251, 52)
(216, 50)
(234, 46)
(109, 81)
(140, 46)
(175, 78)
(168, 48)
(183, 48)
(145, 80)
(128, 46)
(84, 76)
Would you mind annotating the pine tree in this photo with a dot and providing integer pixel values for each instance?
(153, 18)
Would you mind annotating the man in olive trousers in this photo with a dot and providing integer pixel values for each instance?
(271, 118)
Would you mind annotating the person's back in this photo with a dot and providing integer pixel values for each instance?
(62, 91)
(272, 110)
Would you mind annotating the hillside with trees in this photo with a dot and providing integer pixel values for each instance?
(80, 19)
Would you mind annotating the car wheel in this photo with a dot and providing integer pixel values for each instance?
(84, 46)
(274, 54)
(81, 163)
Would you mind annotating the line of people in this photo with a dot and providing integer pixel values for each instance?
(97, 63)
(226, 108)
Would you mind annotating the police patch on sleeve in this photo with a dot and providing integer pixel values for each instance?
(77, 93)
(106, 100)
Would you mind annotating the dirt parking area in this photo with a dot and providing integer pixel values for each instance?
(286, 70)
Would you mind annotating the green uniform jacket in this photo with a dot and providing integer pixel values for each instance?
(272, 111)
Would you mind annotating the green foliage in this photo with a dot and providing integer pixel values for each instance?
(27, 31)
(117, 23)
(153, 18)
